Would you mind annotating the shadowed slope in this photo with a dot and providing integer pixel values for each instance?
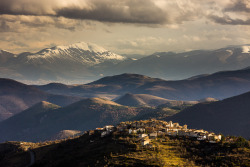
(22, 124)
(229, 116)
(16, 97)
(83, 115)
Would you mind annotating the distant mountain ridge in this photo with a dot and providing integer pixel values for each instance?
(59, 62)
(175, 66)
(219, 85)
(87, 62)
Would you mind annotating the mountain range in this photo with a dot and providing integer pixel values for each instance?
(175, 66)
(219, 85)
(40, 112)
(60, 62)
(46, 121)
(43, 120)
(82, 62)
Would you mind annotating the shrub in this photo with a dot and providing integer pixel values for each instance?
(241, 142)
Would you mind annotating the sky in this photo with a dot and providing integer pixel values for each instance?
(124, 26)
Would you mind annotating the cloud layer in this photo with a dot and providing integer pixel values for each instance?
(148, 24)
(148, 12)
(119, 11)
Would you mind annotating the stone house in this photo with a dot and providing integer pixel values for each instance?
(153, 135)
(143, 135)
(145, 142)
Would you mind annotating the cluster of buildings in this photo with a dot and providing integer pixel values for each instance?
(146, 130)
(106, 130)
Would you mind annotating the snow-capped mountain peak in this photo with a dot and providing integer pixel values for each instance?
(83, 46)
(81, 52)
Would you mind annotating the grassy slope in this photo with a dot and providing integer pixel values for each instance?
(137, 100)
(119, 150)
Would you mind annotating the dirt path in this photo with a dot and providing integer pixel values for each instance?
(32, 158)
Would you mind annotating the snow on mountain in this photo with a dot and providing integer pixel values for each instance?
(230, 51)
(245, 49)
(84, 53)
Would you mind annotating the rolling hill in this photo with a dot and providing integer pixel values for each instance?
(138, 100)
(22, 124)
(106, 86)
(31, 125)
(229, 116)
(16, 97)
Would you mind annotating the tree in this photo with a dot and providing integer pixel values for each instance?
(241, 142)
(223, 138)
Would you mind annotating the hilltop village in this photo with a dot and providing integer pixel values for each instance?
(132, 143)
(147, 130)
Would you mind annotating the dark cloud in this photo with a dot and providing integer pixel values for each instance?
(227, 20)
(235, 13)
(118, 11)
(239, 6)
(25, 7)
(20, 23)
(130, 11)
(47, 21)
